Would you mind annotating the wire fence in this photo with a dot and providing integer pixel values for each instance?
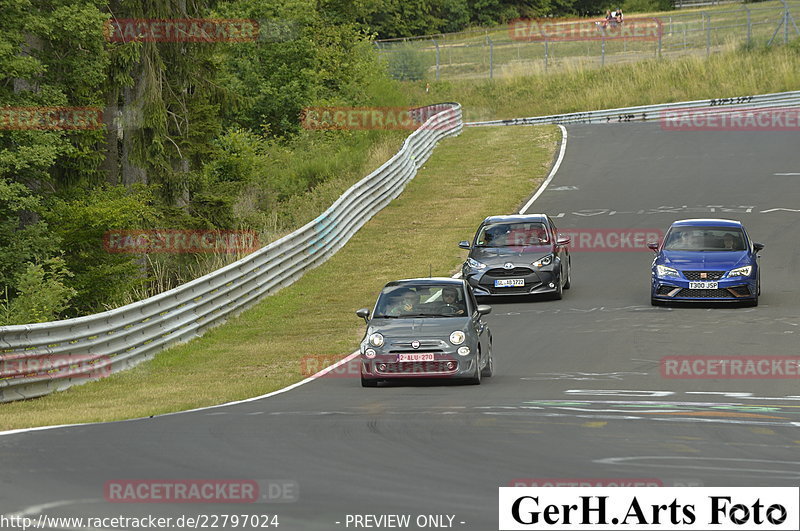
(507, 52)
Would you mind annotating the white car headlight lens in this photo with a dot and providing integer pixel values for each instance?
(664, 271)
(544, 261)
(457, 337)
(463, 351)
(474, 264)
(376, 340)
(741, 271)
(370, 353)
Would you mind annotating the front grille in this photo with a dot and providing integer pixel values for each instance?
(705, 293)
(505, 273)
(417, 367)
(509, 290)
(424, 345)
(710, 275)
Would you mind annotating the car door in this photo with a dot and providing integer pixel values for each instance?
(484, 339)
(558, 251)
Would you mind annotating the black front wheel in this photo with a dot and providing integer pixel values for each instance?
(558, 294)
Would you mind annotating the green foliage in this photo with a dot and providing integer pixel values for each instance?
(647, 6)
(23, 236)
(43, 294)
(102, 279)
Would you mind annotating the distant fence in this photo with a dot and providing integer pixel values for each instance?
(37, 359)
(689, 4)
(496, 52)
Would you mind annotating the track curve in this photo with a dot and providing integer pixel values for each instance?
(577, 391)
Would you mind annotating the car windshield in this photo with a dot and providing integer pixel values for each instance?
(704, 239)
(421, 301)
(518, 234)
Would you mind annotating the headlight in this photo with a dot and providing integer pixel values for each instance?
(741, 271)
(376, 340)
(544, 261)
(457, 337)
(664, 271)
(474, 264)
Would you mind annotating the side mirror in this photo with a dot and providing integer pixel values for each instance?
(562, 241)
(464, 244)
(653, 246)
(757, 246)
(363, 313)
(483, 309)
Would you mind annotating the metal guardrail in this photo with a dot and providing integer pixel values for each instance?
(77, 350)
(656, 112)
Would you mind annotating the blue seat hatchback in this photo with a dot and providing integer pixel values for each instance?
(706, 260)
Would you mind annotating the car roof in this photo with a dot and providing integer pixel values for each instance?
(516, 217)
(426, 281)
(708, 222)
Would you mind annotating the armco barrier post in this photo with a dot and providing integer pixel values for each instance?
(749, 24)
(491, 56)
(545, 54)
(437, 58)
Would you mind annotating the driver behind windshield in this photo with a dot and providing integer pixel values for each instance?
(450, 303)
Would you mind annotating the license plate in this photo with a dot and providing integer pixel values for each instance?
(416, 356)
(703, 285)
(509, 282)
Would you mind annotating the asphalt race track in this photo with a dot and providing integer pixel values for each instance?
(577, 391)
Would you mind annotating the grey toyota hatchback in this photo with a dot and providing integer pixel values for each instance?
(426, 328)
(518, 255)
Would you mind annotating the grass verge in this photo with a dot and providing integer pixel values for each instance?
(739, 72)
(482, 172)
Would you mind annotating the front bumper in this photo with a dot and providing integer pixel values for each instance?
(538, 281)
(728, 290)
(446, 364)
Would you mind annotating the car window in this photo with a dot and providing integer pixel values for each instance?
(705, 239)
(421, 301)
(512, 234)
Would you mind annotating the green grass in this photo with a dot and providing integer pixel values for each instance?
(736, 73)
(466, 55)
(482, 172)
